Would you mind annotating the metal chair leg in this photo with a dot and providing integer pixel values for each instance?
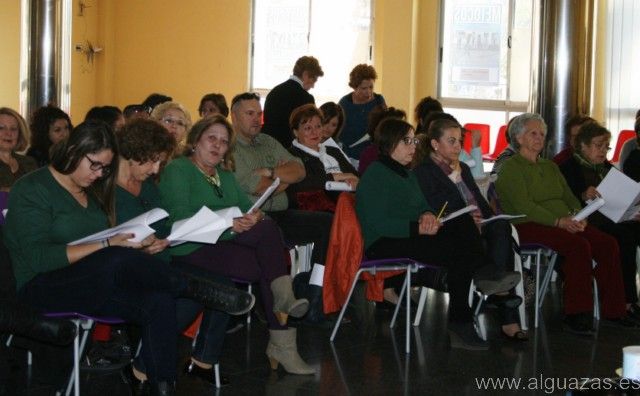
(421, 304)
(344, 307)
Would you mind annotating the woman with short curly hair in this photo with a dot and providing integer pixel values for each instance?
(357, 105)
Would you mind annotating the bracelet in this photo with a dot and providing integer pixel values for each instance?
(108, 243)
(103, 243)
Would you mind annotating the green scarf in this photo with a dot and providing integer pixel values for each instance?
(600, 169)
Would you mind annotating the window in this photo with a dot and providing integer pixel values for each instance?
(337, 32)
(623, 61)
(485, 70)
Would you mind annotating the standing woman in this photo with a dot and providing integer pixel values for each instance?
(584, 170)
(49, 125)
(252, 249)
(13, 137)
(357, 105)
(73, 198)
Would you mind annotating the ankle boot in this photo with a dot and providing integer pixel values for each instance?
(283, 349)
(218, 296)
(284, 302)
(162, 388)
(19, 319)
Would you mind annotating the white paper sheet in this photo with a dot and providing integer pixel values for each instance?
(621, 195)
(267, 193)
(337, 186)
(317, 275)
(205, 226)
(591, 207)
(457, 213)
(501, 216)
(139, 226)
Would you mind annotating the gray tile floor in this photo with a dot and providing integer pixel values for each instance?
(368, 358)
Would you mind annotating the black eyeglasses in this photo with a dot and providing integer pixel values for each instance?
(99, 166)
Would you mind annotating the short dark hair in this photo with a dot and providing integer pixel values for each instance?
(196, 131)
(576, 120)
(90, 137)
(381, 112)
(303, 114)
(108, 114)
(218, 100)
(130, 110)
(587, 133)
(155, 99)
(41, 120)
(389, 133)
(308, 64)
(144, 140)
(436, 131)
(244, 96)
(426, 106)
(434, 116)
(361, 72)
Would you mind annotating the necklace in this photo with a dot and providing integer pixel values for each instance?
(213, 180)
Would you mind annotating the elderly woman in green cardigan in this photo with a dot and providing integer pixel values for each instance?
(534, 186)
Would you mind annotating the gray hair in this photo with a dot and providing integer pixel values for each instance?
(518, 124)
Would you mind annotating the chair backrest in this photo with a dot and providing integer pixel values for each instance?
(624, 135)
(7, 278)
(501, 141)
(484, 131)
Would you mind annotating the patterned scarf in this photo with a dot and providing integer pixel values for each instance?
(599, 169)
(454, 173)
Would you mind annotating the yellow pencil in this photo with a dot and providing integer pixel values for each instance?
(442, 210)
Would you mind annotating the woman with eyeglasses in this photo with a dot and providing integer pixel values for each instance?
(73, 198)
(397, 221)
(584, 170)
(446, 180)
(176, 119)
(252, 249)
(322, 163)
(535, 187)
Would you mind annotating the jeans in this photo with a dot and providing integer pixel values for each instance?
(124, 283)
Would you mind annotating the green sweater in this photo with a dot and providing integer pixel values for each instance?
(388, 204)
(535, 189)
(43, 217)
(184, 190)
(129, 206)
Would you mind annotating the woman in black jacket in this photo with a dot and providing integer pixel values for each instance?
(447, 183)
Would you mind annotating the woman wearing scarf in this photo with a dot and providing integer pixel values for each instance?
(584, 171)
(445, 180)
(322, 163)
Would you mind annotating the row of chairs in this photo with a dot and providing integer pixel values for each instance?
(501, 141)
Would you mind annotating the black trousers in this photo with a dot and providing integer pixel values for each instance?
(303, 226)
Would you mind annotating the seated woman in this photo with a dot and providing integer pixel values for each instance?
(631, 166)
(251, 250)
(13, 137)
(73, 198)
(376, 116)
(212, 104)
(322, 163)
(176, 119)
(332, 121)
(535, 187)
(584, 171)
(143, 145)
(445, 181)
(397, 221)
(49, 125)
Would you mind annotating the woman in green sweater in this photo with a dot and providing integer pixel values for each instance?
(73, 198)
(252, 249)
(397, 221)
(534, 186)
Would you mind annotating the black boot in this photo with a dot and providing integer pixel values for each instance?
(218, 296)
(162, 388)
(22, 320)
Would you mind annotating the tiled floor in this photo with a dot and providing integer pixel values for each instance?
(369, 359)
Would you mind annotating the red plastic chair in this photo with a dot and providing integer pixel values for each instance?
(501, 144)
(624, 135)
(484, 131)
